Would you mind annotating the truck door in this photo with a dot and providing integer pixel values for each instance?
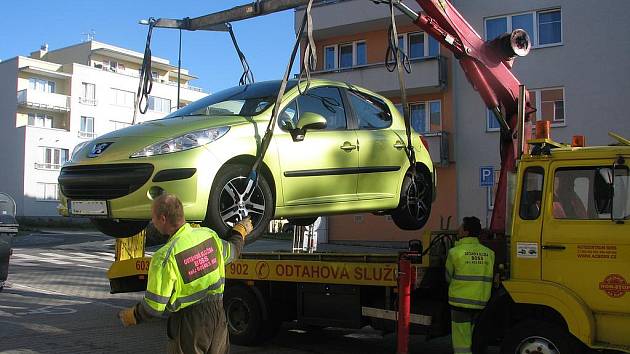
(583, 249)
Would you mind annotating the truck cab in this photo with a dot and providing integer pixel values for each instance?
(568, 285)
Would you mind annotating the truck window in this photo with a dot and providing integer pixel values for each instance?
(531, 194)
(621, 194)
(583, 193)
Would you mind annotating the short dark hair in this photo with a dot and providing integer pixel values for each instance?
(171, 207)
(472, 225)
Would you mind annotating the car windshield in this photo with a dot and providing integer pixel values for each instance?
(246, 100)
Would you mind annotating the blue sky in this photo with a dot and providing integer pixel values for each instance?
(266, 41)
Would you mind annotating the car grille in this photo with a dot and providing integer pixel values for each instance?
(103, 181)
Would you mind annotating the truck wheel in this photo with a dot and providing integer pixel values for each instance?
(119, 229)
(414, 207)
(225, 201)
(244, 315)
(532, 336)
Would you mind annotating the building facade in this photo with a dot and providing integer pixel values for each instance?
(576, 75)
(53, 100)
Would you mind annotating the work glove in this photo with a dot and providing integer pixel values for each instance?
(127, 317)
(244, 227)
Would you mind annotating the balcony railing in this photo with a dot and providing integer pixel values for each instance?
(427, 75)
(88, 101)
(43, 100)
(438, 147)
(47, 166)
(86, 135)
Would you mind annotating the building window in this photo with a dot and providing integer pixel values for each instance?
(155, 75)
(425, 116)
(549, 104)
(113, 65)
(345, 55)
(47, 191)
(51, 158)
(88, 94)
(119, 125)
(543, 27)
(40, 120)
(41, 85)
(159, 104)
(418, 45)
(87, 127)
(122, 98)
(330, 58)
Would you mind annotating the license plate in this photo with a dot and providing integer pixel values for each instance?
(88, 207)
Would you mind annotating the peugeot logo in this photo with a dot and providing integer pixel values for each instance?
(98, 149)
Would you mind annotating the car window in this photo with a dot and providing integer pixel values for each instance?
(327, 102)
(371, 112)
(287, 119)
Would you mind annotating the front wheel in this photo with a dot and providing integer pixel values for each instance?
(414, 207)
(229, 199)
(532, 336)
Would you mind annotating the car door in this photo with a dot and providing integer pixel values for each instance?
(381, 150)
(321, 168)
(583, 249)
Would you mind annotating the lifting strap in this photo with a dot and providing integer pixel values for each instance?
(396, 59)
(146, 79)
(310, 58)
(248, 76)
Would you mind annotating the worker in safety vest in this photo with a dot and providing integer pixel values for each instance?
(186, 279)
(469, 272)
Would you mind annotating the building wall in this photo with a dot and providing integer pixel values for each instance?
(591, 65)
(78, 53)
(12, 147)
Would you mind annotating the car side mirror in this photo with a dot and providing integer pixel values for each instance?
(310, 120)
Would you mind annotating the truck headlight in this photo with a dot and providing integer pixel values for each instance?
(184, 142)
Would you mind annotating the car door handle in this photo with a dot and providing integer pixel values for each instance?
(347, 146)
(399, 145)
(554, 247)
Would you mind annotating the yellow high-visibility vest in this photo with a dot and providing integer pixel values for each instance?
(469, 270)
(188, 268)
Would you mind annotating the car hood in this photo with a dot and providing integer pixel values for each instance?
(172, 127)
(121, 143)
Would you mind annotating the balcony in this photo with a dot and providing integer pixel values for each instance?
(88, 101)
(334, 17)
(47, 166)
(438, 147)
(43, 100)
(427, 75)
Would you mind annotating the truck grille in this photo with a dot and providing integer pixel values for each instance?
(103, 181)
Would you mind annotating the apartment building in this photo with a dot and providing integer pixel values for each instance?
(52, 100)
(576, 74)
(351, 40)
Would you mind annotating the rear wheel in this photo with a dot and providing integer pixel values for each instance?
(414, 207)
(244, 315)
(119, 229)
(228, 200)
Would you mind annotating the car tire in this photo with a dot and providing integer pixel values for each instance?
(119, 229)
(244, 317)
(222, 212)
(533, 336)
(414, 207)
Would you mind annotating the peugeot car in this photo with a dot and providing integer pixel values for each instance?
(336, 148)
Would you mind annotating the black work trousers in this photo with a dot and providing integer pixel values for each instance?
(199, 329)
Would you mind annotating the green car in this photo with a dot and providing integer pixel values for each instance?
(336, 149)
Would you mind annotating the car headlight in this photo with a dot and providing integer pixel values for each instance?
(76, 149)
(184, 142)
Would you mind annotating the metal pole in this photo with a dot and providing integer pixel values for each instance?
(404, 304)
(179, 66)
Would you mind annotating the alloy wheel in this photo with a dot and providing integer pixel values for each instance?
(236, 201)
